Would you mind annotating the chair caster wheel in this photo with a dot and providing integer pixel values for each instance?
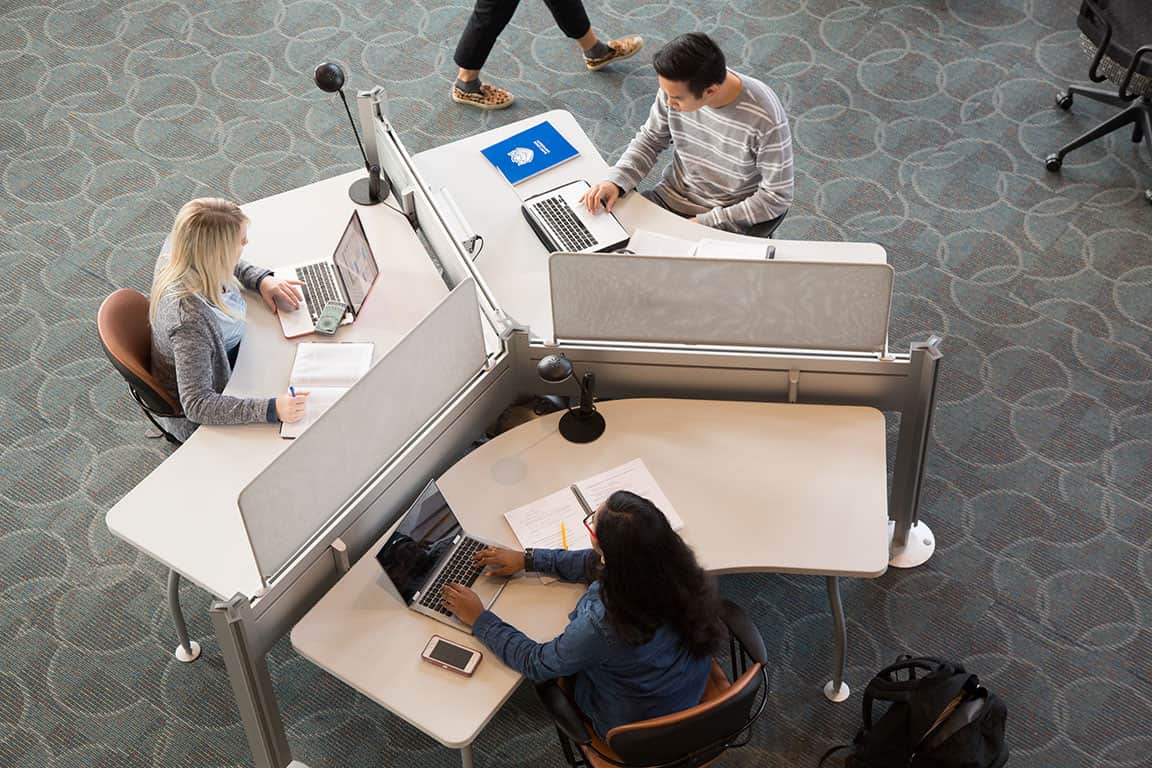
(1064, 100)
(1053, 162)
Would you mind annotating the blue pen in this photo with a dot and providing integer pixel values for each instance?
(292, 391)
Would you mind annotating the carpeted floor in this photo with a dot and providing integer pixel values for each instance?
(918, 125)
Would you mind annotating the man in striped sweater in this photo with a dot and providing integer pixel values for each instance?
(732, 159)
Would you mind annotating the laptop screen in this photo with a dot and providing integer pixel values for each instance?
(355, 262)
(421, 542)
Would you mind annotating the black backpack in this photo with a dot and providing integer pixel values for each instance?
(938, 716)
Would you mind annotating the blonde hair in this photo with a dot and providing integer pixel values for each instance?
(205, 239)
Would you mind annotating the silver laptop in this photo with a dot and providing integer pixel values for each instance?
(430, 549)
(347, 276)
(565, 225)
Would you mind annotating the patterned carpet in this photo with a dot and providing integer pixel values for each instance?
(921, 126)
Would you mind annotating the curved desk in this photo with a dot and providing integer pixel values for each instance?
(514, 263)
(762, 487)
(184, 514)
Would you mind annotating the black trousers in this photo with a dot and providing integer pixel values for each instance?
(489, 18)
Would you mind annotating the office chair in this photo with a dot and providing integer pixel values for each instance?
(689, 739)
(1118, 36)
(126, 336)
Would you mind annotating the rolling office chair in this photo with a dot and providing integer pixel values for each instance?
(126, 336)
(689, 739)
(1118, 35)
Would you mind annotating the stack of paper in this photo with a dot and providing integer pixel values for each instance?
(537, 524)
(325, 371)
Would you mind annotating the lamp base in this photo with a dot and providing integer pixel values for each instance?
(360, 194)
(581, 428)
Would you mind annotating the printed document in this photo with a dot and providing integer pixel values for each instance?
(537, 524)
(325, 371)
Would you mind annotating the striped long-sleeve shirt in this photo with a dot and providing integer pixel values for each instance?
(731, 167)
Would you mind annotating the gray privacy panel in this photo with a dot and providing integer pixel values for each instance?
(723, 302)
(293, 498)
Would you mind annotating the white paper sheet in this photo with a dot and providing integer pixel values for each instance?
(647, 243)
(319, 400)
(332, 364)
(538, 524)
(635, 477)
(732, 249)
(325, 371)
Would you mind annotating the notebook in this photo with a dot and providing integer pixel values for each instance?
(537, 524)
(326, 370)
(530, 152)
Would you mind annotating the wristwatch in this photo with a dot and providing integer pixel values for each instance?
(528, 560)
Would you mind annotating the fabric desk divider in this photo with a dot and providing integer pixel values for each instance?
(721, 302)
(308, 484)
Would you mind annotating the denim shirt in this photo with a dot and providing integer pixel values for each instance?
(613, 683)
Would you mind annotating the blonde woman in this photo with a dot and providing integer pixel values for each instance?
(198, 318)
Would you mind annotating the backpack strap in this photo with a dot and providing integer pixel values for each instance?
(948, 677)
(831, 752)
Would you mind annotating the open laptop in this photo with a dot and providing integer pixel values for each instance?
(565, 225)
(347, 276)
(430, 549)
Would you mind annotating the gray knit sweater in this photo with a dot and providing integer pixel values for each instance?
(731, 167)
(189, 358)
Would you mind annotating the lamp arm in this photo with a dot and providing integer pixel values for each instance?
(588, 393)
(363, 154)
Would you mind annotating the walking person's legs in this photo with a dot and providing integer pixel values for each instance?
(488, 19)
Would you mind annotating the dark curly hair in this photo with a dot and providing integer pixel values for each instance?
(650, 577)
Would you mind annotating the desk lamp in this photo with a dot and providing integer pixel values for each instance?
(329, 77)
(584, 423)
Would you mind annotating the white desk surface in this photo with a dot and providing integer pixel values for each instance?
(761, 487)
(515, 264)
(184, 514)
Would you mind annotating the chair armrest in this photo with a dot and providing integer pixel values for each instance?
(562, 712)
(744, 631)
(1131, 71)
(1094, 71)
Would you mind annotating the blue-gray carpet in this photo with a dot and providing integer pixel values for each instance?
(921, 126)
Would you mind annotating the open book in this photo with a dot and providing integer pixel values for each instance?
(537, 524)
(647, 243)
(326, 371)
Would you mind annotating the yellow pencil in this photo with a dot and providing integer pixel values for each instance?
(563, 535)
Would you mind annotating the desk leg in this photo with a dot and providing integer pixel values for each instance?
(837, 689)
(188, 650)
(466, 756)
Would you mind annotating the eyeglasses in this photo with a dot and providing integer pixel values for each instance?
(588, 518)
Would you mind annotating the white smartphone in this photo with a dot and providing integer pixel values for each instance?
(451, 656)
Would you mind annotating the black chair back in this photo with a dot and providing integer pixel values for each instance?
(694, 736)
(1118, 28)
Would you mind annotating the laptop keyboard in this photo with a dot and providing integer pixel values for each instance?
(565, 225)
(459, 569)
(319, 287)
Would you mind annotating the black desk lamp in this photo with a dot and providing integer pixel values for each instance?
(329, 77)
(584, 423)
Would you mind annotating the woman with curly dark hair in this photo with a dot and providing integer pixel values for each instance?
(639, 642)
